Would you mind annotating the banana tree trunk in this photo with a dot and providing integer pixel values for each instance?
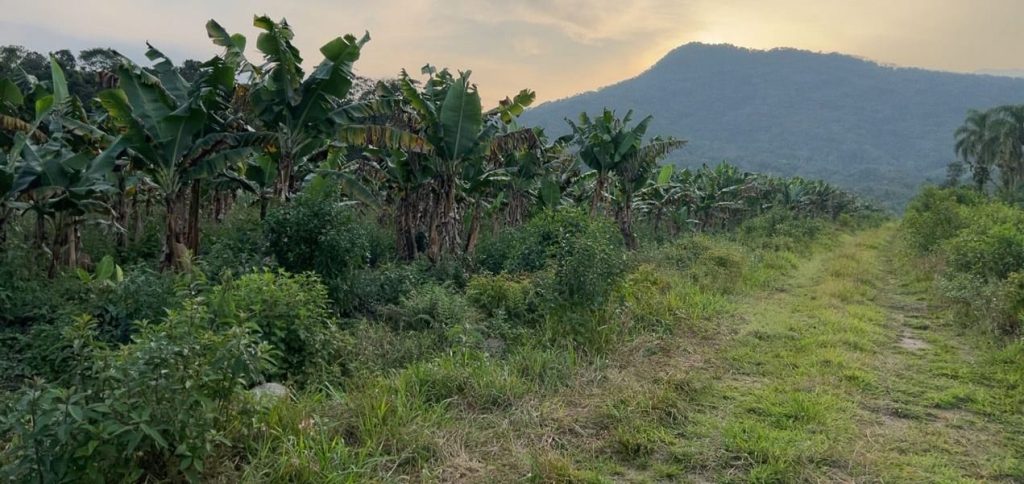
(192, 227)
(263, 206)
(175, 251)
(474, 229)
(625, 219)
(515, 211)
(4, 213)
(282, 189)
(121, 213)
(598, 193)
(140, 226)
(405, 226)
(445, 231)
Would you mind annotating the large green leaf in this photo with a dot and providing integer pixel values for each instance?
(234, 45)
(283, 71)
(10, 94)
(61, 96)
(115, 102)
(331, 80)
(149, 101)
(461, 118)
(170, 78)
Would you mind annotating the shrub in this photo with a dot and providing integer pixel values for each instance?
(143, 295)
(991, 245)
(291, 313)
(368, 290)
(502, 295)
(237, 245)
(780, 230)
(155, 407)
(588, 267)
(319, 233)
(935, 216)
(530, 247)
(432, 306)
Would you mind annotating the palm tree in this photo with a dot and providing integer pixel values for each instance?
(1008, 134)
(976, 145)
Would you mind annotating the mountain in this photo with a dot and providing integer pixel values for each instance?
(879, 130)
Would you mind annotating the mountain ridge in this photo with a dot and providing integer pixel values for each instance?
(878, 129)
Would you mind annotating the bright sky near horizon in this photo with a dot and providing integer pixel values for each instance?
(556, 47)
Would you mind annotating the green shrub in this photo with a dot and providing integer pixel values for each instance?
(367, 291)
(320, 233)
(156, 407)
(936, 215)
(529, 248)
(991, 244)
(780, 230)
(588, 267)
(502, 295)
(432, 306)
(236, 246)
(143, 295)
(291, 312)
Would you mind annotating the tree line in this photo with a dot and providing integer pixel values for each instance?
(100, 139)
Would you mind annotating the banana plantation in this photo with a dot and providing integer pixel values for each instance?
(246, 269)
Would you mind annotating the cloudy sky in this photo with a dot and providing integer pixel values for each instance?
(556, 47)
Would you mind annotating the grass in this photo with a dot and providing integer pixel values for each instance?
(773, 370)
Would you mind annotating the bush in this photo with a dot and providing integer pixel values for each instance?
(936, 215)
(143, 295)
(992, 243)
(236, 246)
(368, 290)
(155, 407)
(432, 306)
(291, 313)
(319, 233)
(503, 295)
(780, 230)
(529, 248)
(582, 255)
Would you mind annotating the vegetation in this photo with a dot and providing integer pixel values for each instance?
(394, 284)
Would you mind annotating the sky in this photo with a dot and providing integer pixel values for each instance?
(555, 47)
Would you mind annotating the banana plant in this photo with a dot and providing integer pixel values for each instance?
(60, 176)
(609, 146)
(442, 129)
(295, 107)
(178, 133)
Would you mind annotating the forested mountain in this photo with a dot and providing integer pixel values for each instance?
(877, 129)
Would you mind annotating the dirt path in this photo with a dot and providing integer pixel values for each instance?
(842, 374)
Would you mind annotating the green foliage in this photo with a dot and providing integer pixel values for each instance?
(780, 230)
(292, 316)
(236, 246)
(503, 295)
(367, 291)
(583, 255)
(992, 243)
(935, 216)
(317, 232)
(156, 407)
(432, 306)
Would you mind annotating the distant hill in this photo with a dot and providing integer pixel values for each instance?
(879, 130)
